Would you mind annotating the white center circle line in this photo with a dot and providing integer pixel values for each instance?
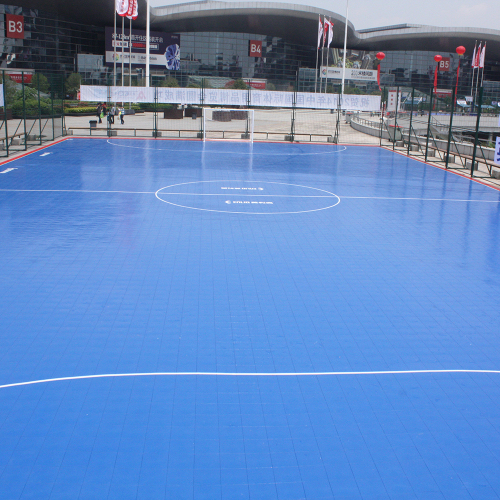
(162, 194)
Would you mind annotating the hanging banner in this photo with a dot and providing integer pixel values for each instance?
(2, 102)
(93, 93)
(175, 95)
(164, 48)
(230, 97)
(360, 75)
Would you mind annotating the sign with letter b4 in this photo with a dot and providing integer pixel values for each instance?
(255, 48)
(14, 26)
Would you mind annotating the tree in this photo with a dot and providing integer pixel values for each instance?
(239, 84)
(73, 84)
(39, 81)
(169, 82)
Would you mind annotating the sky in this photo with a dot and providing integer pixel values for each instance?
(374, 13)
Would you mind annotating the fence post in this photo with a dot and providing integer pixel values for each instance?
(479, 104)
(24, 112)
(450, 130)
(292, 131)
(429, 124)
(39, 112)
(5, 112)
(396, 119)
(411, 119)
(155, 114)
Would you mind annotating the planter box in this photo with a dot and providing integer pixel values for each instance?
(9, 115)
(173, 114)
(189, 112)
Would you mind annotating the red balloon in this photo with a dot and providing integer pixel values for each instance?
(438, 58)
(380, 56)
(460, 50)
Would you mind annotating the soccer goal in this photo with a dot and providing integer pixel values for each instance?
(228, 124)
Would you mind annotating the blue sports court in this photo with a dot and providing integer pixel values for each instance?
(187, 320)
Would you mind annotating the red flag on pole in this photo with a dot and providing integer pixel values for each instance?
(482, 56)
(122, 7)
(132, 9)
(320, 32)
(435, 79)
(477, 57)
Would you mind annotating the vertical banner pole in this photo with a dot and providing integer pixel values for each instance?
(123, 43)
(429, 124)
(476, 136)
(148, 21)
(345, 47)
(453, 97)
(411, 117)
(114, 50)
(130, 59)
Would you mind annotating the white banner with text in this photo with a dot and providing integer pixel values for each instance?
(229, 97)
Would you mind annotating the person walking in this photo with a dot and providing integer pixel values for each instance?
(122, 114)
(99, 112)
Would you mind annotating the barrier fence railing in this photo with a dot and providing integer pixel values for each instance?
(426, 124)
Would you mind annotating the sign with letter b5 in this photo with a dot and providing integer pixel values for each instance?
(255, 48)
(14, 26)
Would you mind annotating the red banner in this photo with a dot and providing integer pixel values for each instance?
(21, 77)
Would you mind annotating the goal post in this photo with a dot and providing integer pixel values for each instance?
(228, 124)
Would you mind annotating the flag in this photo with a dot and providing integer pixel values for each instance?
(473, 63)
(481, 58)
(329, 25)
(325, 27)
(477, 57)
(132, 10)
(436, 78)
(122, 7)
(320, 32)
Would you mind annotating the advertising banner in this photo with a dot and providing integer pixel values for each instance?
(230, 97)
(497, 152)
(360, 75)
(164, 48)
(2, 103)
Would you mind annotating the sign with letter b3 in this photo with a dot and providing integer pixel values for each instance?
(14, 26)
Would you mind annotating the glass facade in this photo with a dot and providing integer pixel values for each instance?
(52, 45)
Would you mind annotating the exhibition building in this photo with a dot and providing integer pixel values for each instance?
(270, 45)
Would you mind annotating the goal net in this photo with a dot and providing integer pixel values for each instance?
(229, 124)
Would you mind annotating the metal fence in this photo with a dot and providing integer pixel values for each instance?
(32, 113)
(433, 128)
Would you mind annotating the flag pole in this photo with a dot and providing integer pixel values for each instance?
(317, 50)
(327, 54)
(316, 74)
(345, 48)
(130, 56)
(478, 58)
(114, 51)
(123, 42)
(148, 20)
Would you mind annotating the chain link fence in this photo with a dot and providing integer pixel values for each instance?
(426, 125)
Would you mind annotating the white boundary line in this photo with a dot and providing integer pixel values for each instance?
(233, 194)
(201, 151)
(238, 194)
(414, 199)
(245, 374)
(71, 191)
